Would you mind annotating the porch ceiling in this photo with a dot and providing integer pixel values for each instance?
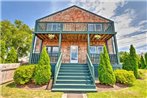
(75, 37)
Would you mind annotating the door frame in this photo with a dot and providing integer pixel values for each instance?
(74, 61)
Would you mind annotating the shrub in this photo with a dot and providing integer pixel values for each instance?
(124, 77)
(105, 71)
(42, 73)
(143, 66)
(23, 74)
(145, 56)
(12, 56)
(133, 61)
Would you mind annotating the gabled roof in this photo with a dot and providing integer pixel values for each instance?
(73, 7)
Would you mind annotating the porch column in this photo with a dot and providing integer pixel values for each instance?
(116, 49)
(60, 38)
(88, 47)
(33, 41)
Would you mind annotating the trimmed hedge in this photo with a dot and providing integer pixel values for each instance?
(124, 77)
(43, 73)
(23, 74)
(105, 71)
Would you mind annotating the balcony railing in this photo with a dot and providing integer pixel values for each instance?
(95, 58)
(36, 56)
(73, 26)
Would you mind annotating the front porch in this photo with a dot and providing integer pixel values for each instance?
(85, 43)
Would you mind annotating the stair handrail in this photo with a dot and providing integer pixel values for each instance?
(91, 67)
(57, 67)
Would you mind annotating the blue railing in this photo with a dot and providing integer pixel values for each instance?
(91, 68)
(95, 58)
(57, 67)
(35, 57)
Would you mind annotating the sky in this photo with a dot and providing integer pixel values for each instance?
(130, 17)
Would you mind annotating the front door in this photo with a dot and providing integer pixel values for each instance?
(73, 54)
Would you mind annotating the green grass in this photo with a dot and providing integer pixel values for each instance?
(139, 90)
(10, 91)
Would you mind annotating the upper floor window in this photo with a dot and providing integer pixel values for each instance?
(53, 27)
(94, 27)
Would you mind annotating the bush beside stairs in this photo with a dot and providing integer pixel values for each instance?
(74, 77)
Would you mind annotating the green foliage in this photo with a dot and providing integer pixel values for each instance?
(17, 35)
(2, 51)
(145, 56)
(23, 74)
(133, 61)
(12, 56)
(126, 62)
(105, 71)
(143, 65)
(124, 77)
(122, 56)
(43, 73)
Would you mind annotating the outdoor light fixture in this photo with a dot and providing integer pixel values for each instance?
(97, 36)
(51, 36)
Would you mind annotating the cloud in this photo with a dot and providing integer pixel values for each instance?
(126, 32)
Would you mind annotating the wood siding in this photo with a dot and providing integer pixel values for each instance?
(73, 14)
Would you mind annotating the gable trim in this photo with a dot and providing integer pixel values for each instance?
(71, 7)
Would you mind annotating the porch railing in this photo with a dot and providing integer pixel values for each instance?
(57, 67)
(91, 67)
(95, 58)
(36, 56)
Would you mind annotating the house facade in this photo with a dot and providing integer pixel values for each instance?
(74, 39)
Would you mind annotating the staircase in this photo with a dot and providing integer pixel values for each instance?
(74, 77)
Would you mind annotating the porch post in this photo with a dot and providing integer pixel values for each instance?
(60, 38)
(116, 49)
(33, 41)
(88, 47)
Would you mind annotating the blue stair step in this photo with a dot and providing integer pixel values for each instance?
(74, 90)
(74, 77)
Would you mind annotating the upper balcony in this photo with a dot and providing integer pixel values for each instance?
(75, 27)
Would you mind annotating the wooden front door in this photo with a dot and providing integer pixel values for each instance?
(73, 54)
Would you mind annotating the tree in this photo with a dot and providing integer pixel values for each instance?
(12, 56)
(145, 56)
(133, 61)
(142, 62)
(2, 51)
(105, 71)
(126, 62)
(17, 35)
(43, 73)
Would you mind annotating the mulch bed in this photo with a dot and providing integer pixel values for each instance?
(33, 86)
(102, 87)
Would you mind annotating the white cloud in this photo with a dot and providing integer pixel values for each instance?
(107, 8)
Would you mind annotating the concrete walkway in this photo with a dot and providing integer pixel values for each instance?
(74, 95)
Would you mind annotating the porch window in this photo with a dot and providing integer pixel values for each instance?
(53, 53)
(37, 45)
(94, 27)
(53, 27)
(96, 49)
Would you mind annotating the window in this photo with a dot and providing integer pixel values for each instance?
(94, 27)
(37, 45)
(92, 49)
(96, 49)
(99, 49)
(52, 49)
(53, 27)
(41, 26)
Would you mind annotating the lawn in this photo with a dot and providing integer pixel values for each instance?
(139, 90)
(10, 91)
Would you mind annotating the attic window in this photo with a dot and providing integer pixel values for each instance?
(53, 26)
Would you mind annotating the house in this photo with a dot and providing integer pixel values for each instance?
(74, 38)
